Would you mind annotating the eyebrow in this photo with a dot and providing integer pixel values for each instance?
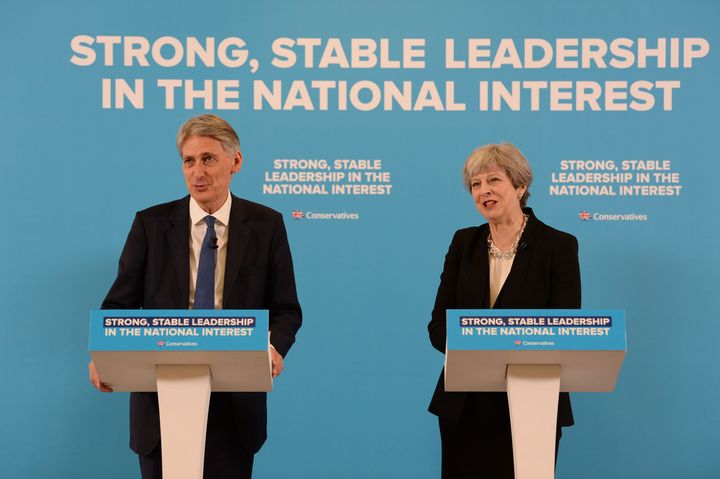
(204, 153)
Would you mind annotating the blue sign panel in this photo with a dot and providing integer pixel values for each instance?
(179, 330)
(536, 329)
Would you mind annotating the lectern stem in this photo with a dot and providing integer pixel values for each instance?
(184, 398)
(533, 400)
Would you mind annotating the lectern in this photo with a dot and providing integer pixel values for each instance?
(183, 355)
(533, 355)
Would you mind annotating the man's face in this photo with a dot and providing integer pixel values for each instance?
(208, 169)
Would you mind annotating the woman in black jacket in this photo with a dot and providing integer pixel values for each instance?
(514, 261)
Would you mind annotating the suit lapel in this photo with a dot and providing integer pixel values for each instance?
(238, 237)
(178, 241)
(481, 271)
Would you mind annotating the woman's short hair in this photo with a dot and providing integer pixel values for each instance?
(504, 156)
(212, 126)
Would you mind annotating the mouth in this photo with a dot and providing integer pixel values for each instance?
(489, 203)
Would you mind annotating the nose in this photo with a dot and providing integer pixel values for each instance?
(198, 170)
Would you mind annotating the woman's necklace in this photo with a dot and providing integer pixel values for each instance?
(500, 254)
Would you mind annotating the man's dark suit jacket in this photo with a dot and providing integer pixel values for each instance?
(545, 274)
(154, 273)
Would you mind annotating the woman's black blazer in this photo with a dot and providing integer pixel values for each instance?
(545, 275)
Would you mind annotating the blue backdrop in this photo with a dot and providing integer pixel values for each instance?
(352, 400)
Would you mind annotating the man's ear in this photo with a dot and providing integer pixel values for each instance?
(237, 163)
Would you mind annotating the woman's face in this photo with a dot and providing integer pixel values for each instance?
(495, 196)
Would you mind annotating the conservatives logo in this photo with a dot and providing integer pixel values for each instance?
(161, 343)
(314, 215)
(518, 342)
(587, 216)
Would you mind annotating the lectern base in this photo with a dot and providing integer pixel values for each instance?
(184, 398)
(533, 400)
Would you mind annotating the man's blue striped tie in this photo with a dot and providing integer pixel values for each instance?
(205, 284)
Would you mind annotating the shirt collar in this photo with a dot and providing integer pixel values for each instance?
(222, 215)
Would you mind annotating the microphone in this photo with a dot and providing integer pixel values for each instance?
(213, 242)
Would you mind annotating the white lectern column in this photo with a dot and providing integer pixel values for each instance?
(533, 391)
(184, 398)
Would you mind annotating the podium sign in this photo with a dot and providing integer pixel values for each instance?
(533, 355)
(127, 346)
(589, 345)
(183, 355)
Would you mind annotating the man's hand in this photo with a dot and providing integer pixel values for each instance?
(95, 379)
(277, 362)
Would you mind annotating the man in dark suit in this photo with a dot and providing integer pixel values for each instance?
(252, 270)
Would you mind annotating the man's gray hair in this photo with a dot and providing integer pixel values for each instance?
(212, 126)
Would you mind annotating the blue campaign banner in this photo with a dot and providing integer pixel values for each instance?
(355, 119)
(178, 330)
(546, 329)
